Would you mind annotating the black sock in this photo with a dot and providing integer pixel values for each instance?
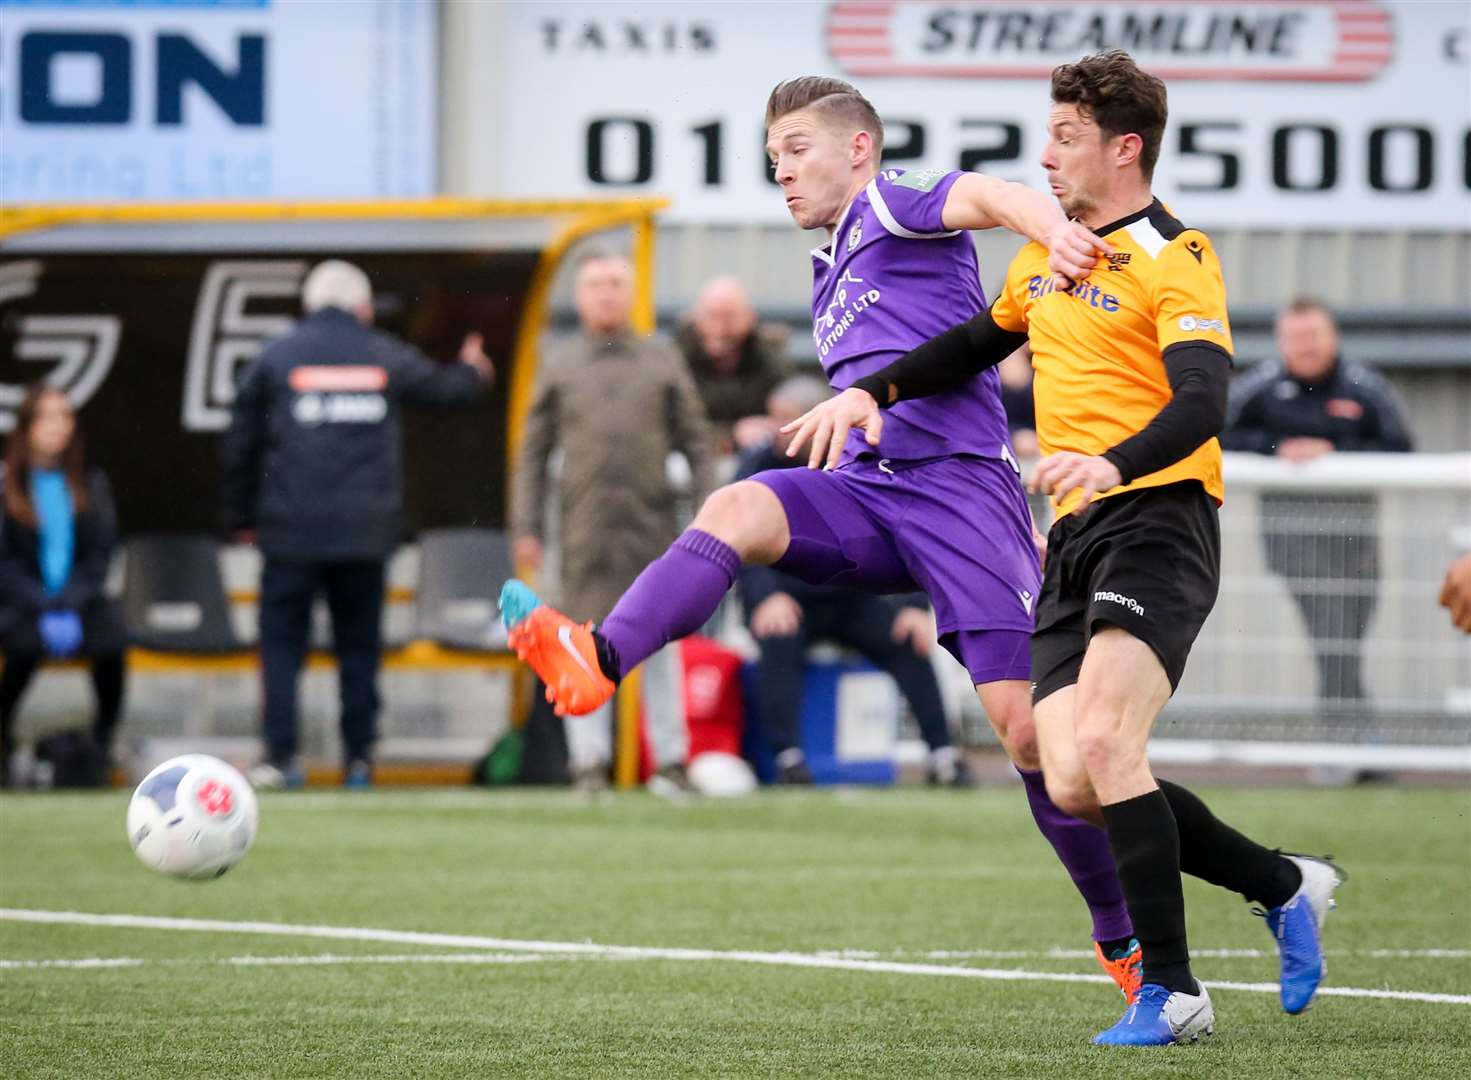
(1115, 945)
(607, 658)
(1146, 850)
(1213, 851)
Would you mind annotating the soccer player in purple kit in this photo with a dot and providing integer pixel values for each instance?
(936, 504)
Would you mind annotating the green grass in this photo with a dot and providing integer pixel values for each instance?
(895, 873)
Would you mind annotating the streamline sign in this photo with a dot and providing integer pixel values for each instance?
(1322, 41)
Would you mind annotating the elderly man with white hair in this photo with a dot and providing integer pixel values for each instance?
(312, 475)
(736, 362)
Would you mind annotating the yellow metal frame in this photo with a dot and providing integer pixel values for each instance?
(585, 218)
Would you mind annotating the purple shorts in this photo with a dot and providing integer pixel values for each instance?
(957, 528)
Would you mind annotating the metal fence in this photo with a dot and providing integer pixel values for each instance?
(1326, 630)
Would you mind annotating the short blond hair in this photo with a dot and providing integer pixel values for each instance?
(834, 102)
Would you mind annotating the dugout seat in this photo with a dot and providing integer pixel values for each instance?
(174, 598)
(460, 575)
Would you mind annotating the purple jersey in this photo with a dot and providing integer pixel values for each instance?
(891, 278)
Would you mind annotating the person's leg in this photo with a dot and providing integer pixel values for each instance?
(663, 694)
(104, 639)
(108, 678)
(355, 601)
(20, 666)
(1122, 687)
(286, 590)
(1081, 846)
(814, 525)
(679, 591)
(866, 622)
(778, 691)
(590, 745)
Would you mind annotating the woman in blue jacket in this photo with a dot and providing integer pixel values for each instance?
(57, 534)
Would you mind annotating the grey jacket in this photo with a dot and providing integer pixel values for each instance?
(617, 408)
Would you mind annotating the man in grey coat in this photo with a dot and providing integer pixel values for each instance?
(617, 404)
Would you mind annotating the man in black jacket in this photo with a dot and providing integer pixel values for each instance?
(1326, 548)
(312, 475)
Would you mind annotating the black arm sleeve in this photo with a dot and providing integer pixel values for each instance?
(946, 362)
(1199, 377)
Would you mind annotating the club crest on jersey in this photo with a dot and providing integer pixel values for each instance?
(855, 235)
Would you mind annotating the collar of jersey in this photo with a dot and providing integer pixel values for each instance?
(1137, 215)
(824, 251)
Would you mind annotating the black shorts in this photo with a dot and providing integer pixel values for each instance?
(1146, 561)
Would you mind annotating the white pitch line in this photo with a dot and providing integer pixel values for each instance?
(1087, 954)
(637, 952)
(84, 962)
(326, 959)
(321, 959)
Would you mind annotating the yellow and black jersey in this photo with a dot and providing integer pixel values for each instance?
(1097, 348)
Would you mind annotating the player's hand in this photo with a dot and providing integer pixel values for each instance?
(776, 616)
(827, 427)
(751, 431)
(527, 554)
(914, 627)
(472, 352)
(1059, 474)
(1039, 541)
(1073, 251)
(1455, 593)
(1303, 448)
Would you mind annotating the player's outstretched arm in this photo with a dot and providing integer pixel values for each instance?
(977, 201)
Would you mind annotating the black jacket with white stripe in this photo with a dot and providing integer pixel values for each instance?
(1353, 407)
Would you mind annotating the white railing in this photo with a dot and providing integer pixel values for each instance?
(1327, 631)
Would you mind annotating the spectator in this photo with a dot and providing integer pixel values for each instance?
(1016, 399)
(1308, 404)
(735, 361)
(785, 615)
(311, 473)
(617, 404)
(58, 529)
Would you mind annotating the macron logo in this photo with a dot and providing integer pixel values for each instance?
(1026, 599)
(1119, 598)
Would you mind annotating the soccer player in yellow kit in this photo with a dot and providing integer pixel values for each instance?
(1132, 365)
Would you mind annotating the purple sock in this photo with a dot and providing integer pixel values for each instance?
(673, 597)
(1084, 852)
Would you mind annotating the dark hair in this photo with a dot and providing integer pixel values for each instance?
(1120, 97)
(18, 459)
(833, 100)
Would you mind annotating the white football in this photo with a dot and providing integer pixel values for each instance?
(192, 817)
(721, 775)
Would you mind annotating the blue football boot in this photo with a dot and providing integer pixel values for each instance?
(1160, 1017)
(1298, 927)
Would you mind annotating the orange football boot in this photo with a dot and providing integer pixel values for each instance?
(559, 650)
(1126, 969)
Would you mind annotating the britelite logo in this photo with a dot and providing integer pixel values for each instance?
(1326, 41)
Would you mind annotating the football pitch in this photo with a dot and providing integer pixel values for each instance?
(447, 933)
